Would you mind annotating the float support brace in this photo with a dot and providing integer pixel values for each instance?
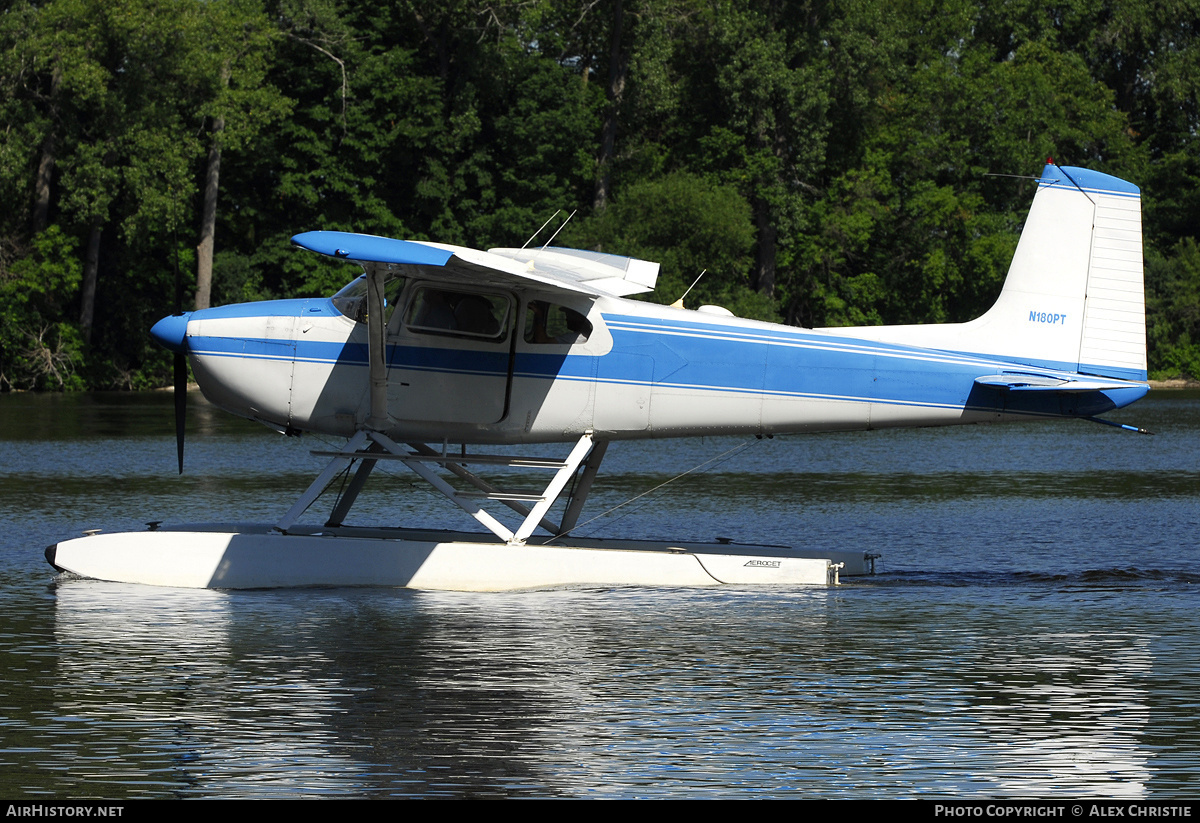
(372, 446)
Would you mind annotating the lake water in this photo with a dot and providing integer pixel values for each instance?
(1033, 631)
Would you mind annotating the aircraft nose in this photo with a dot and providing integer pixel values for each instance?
(171, 331)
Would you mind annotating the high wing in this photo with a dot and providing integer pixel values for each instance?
(572, 270)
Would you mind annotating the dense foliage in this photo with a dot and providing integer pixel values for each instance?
(828, 162)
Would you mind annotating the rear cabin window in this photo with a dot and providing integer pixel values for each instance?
(460, 314)
(551, 323)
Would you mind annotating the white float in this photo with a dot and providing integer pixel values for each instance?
(246, 556)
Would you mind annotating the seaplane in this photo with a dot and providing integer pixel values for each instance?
(457, 363)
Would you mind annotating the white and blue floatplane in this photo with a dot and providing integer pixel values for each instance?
(436, 345)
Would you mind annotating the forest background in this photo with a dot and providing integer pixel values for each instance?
(828, 162)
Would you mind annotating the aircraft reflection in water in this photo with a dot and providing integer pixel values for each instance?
(443, 344)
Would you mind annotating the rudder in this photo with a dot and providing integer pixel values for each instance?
(1114, 319)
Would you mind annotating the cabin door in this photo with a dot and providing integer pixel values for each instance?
(449, 355)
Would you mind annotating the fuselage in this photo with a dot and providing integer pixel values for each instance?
(635, 370)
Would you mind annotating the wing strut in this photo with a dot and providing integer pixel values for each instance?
(370, 447)
(377, 348)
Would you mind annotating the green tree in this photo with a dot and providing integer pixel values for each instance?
(689, 225)
(38, 349)
(1173, 307)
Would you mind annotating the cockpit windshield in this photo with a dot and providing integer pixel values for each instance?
(351, 300)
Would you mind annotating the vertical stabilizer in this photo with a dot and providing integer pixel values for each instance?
(1073, 297)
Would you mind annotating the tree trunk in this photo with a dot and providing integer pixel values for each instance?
(91, 266)
(41, 187)
(208, 219)
(764, 264)
(617, 72)
(45, 171)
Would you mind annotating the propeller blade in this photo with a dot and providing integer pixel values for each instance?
(171, 333)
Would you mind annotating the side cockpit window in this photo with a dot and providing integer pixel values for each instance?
(551, 323)
(461, 314)
(352, 299)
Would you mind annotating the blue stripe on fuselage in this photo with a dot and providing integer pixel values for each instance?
(780, 361)
(772, 360)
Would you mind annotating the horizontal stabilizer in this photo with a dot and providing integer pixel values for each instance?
(1041, 382)
(1053, 395)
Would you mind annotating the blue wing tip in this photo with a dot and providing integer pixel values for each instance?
(346, 245)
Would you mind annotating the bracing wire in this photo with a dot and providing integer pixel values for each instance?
(712, 462)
